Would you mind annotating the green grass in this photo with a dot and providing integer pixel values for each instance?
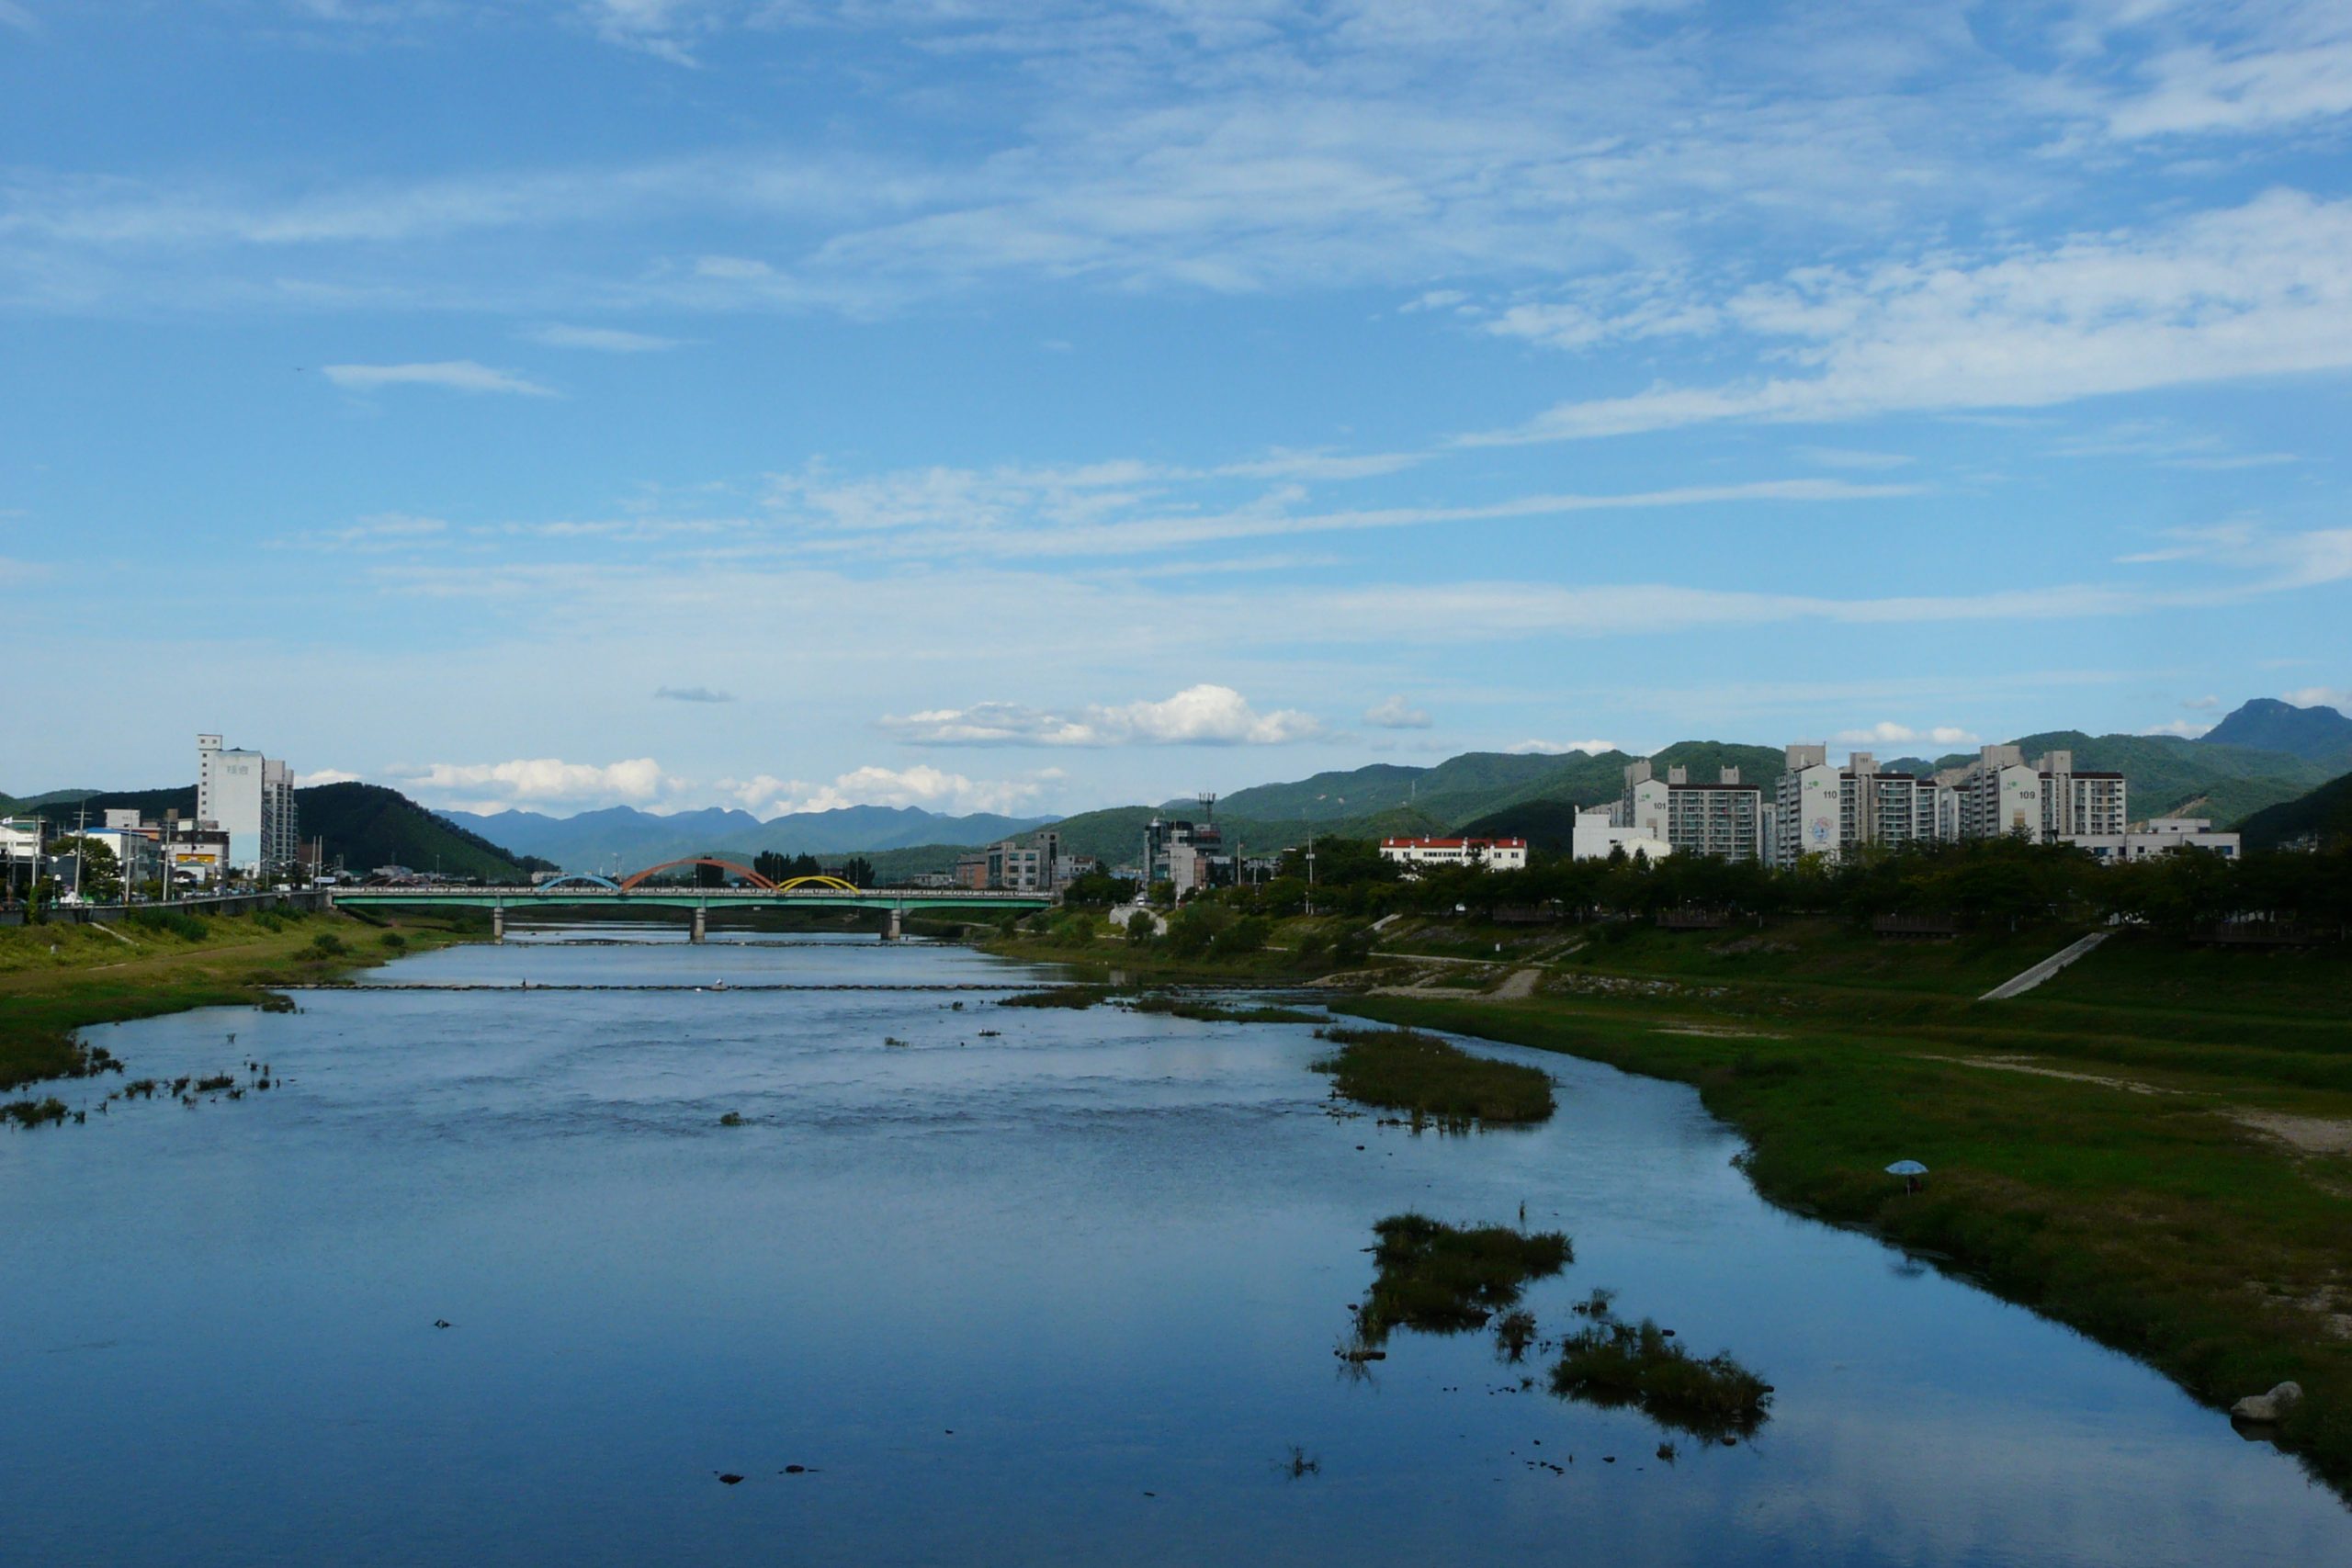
(56, 979)
(1222, 1013)
(1402, 1070)
(2155, 1222)
(1640, 1365)
(1441, 1278)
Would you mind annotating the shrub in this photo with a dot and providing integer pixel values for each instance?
(394, 941)
(33, 1112)
(1060, 997)
(1245, 936)
(1403, 1069)
(1445, 1279)
(1640, 1365)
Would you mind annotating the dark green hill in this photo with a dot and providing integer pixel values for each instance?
(1548, 826)
(2315, 734)
(2171, 777)
(2325, 813)
(364, 825)
(1472, 780)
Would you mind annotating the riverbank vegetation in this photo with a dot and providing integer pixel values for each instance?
(57, 978)
(2155, 1145)
(1443, 1279)
(1404, 1069)
(1642, 1365)
(1205, 1011)
(2188, 1206)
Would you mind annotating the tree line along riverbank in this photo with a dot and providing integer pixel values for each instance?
(56, 979)
(2154, 1146)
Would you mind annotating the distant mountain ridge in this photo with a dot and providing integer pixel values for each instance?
(626, 836)
(2316, 734)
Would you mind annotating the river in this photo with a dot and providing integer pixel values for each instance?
(1068, 1294)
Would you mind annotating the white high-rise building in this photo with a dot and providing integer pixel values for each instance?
(2046, 801)
(1722, 818)
(251, 799)
(1822, 810)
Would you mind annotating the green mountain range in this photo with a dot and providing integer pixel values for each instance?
(2317, 734)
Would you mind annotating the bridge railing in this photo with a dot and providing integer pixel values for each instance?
(575, 891)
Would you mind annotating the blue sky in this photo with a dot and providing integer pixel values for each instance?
(1039, 405)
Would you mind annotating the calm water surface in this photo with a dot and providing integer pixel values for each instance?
(1061, 1296)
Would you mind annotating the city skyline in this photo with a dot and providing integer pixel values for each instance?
(687, 404)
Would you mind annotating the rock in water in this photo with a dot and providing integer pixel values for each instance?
(2271, 1406)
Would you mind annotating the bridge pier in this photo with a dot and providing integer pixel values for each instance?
(498, 923)
(700, 912)
(893, 934)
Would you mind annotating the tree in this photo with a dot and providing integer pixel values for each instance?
(100, 881)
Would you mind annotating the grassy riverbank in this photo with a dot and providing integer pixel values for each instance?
(55, 979)
(2155, 1147)
(2175, 1183)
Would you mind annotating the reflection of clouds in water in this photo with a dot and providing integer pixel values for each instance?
(1139, 1230)
(1987, 1475)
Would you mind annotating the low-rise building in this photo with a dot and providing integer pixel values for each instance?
(1597, 835)
(1188, 856)
(24, 857)
(1487, 854)
(2159, 836)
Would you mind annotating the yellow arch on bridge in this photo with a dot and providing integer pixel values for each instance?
(832, 883)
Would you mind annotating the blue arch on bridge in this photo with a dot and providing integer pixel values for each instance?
(579, 879)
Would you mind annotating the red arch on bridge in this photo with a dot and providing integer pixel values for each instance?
(745, 872)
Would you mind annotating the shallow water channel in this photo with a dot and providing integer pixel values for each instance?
(1064, 1295)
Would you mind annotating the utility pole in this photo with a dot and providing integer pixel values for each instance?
(1310, 871)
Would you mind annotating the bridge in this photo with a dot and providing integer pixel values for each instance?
(641, 890)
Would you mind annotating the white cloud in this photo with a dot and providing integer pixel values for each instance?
(1885, 733)
(1125, 507)
(324, 776)
(2337, 697)
(458, 375)
(2200, 705)
(2310, 559)
(13, 15)
(381, 531)
(2273, 66)
(690, 694)
(1560, 748)
(2255, 290)
(930, 788)
(604, 340)
(537, 781)
(1198, 716)
(2188, 730)
(1395, 713)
